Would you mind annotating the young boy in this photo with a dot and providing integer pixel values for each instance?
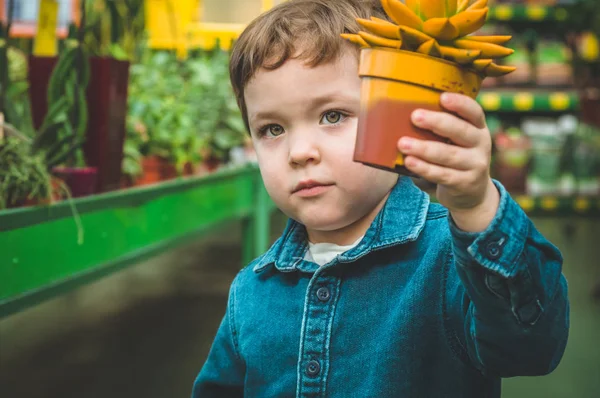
(373, 291)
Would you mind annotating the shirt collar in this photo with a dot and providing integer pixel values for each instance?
(401, 220)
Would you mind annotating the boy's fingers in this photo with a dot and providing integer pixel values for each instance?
(465, 107)
(434, 173)
(446, 125)
(446, 155)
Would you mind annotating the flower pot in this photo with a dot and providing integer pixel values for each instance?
(394, 84)
(212, 163)
(81, 181)
(107, 109)
(38, 75)
(107, 103)
(189, 169)
(156, 169)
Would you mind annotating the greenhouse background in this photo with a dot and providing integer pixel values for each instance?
(117, 252)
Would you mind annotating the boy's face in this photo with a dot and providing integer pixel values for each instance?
(303, 122)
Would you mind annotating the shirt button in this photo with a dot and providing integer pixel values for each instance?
(493, 250)
(323, 294)
(313, 368)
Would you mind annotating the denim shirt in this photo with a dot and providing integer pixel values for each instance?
(418, 308)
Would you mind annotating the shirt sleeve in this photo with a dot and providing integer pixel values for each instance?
(223, 372)
(509, 295)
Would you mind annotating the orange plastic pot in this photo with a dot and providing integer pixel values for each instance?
(393, 84)
(156, 169)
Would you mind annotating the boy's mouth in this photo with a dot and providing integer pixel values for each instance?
(311, 188)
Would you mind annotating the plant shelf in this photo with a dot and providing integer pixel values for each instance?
(528, 101)
(559, 206)
(526, 13)
(42, 256)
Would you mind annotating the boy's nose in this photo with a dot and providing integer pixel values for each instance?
(303, 149)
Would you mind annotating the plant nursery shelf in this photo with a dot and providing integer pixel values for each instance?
(526, 13)
(559, 206)
(44, 253)
(528, 101)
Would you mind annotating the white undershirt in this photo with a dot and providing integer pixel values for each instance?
(322, 253)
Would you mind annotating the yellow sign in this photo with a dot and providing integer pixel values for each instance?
(176, 24)
(45, 39)
(168, 21)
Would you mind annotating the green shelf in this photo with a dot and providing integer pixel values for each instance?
(559, 206)
(528, 101)
(43, 254)
(526, 13)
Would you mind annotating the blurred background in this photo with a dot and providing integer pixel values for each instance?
(130, 198)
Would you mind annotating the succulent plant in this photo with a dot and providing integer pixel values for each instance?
(438, 28)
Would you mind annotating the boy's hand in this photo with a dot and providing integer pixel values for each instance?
(461, 168)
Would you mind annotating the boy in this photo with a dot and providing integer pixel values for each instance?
(372, 291)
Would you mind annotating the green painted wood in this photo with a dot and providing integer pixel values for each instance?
(41, 254)
(528, 101)
(262, 210)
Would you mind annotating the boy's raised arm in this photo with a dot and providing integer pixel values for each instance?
(223, 372)
(507, 303)
(510, 305)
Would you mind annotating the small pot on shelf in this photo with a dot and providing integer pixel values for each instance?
(189, 169)
(156, 169)
(82, 181)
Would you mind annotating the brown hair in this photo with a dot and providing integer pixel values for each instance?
(308, 30)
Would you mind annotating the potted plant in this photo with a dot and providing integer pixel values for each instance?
(27, 165)
(182, 114)
(24, 178)
(66, 122)
(162, 120)
(424, 49)
(109, 31)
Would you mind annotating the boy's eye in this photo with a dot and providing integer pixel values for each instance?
(332, 117)
(272, 130)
